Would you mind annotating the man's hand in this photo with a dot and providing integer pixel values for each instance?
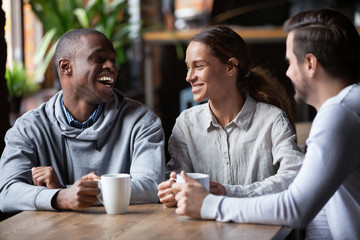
(217, 189)
(189, 196)
(165, 192)
(45, 176)
(82, 194)
(91, 176)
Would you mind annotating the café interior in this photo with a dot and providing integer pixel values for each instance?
(152, 70)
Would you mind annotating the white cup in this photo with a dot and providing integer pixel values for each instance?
(202, 178)
(116, 191)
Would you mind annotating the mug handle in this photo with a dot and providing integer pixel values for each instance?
(100, 188)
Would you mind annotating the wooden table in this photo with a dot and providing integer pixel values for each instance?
(146, 221)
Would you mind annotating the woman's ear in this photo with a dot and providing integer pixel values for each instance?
(232, 66)
(65, 67)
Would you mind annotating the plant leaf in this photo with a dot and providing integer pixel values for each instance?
(81, 15)
(44, 45)
(42, 68)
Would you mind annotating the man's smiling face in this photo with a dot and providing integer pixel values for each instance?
(93, 70)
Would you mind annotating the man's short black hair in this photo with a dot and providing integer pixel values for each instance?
(70, 42)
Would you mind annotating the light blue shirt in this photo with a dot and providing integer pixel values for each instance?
(329, 177)
(88, 123)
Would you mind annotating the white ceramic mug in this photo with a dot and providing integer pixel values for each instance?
(116, 191)
(202, 178)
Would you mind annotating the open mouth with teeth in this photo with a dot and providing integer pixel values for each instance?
(196, 88)
(107, 81)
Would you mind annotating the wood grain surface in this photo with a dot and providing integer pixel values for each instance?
(146, 221)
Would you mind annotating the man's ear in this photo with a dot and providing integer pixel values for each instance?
(310, 64)
(65, 67)
(233, 64)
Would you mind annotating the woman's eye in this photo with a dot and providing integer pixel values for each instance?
(199, 66)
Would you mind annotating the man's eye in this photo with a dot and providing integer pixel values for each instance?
(98, 59)
(199, 66)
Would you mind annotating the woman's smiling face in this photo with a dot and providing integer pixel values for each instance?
(205, 72)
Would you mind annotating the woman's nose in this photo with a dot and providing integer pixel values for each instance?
(189, 75)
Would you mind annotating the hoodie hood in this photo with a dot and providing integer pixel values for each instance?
(97, 131)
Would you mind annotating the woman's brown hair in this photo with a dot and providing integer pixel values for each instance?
(258, 82)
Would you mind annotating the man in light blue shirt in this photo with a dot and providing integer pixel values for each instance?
(323, 54)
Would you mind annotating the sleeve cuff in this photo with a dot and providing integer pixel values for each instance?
(43, 199)
(234, 190)
(210, 206)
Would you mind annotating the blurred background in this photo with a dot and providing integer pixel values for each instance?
(150, 38)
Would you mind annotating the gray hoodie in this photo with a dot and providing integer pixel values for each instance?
(126, 138)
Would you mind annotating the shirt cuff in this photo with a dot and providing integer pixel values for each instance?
(233, 190)
(43, 199)
(210, 206)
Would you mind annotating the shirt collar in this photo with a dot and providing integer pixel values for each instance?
(88, 123)
(209, 119)
(245, 116)
(242, 120)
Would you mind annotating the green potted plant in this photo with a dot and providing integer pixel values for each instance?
(19, 84)
(59, 16)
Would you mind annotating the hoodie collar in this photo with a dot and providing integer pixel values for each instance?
(82, 125)
(99, 128)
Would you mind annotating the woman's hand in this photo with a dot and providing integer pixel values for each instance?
(165, 192)
(217, 189)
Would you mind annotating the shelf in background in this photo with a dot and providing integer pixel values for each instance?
(248, 33)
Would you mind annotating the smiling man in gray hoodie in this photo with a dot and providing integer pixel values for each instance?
(54, 153)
